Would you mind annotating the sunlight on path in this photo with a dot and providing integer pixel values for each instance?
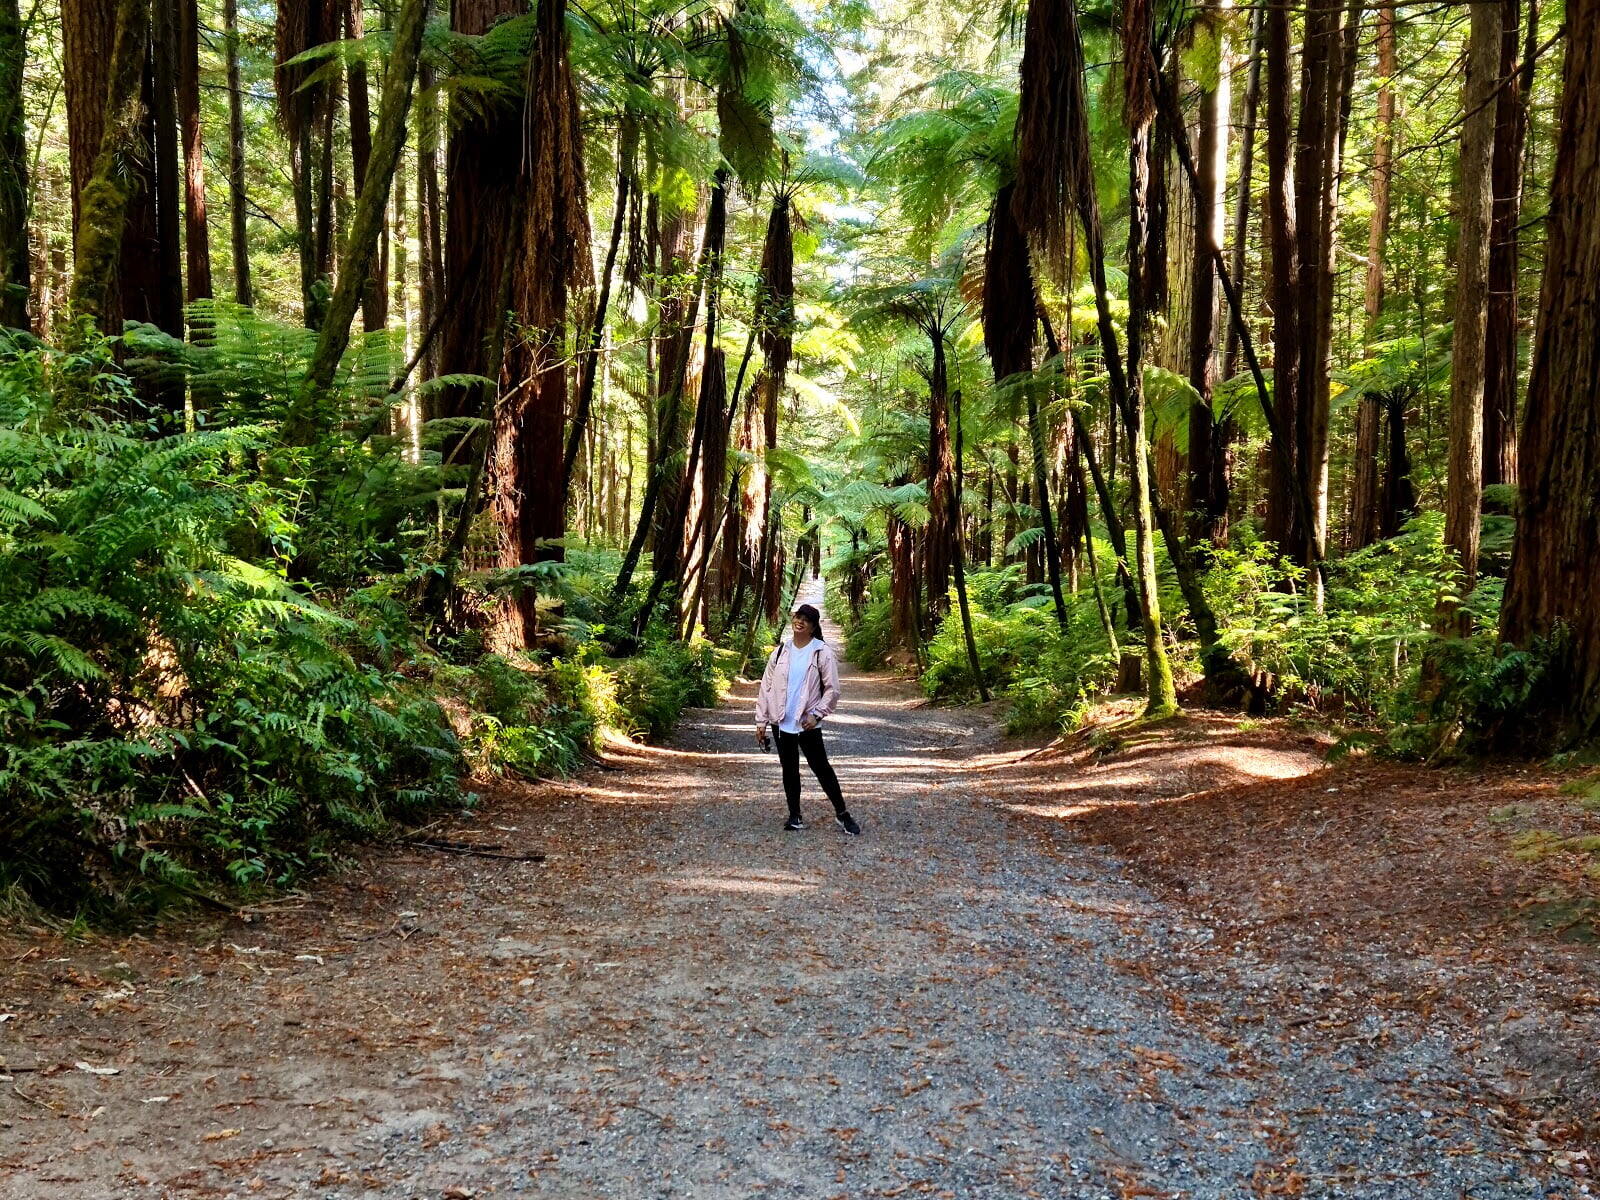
(947, 1006)
(684, 1001)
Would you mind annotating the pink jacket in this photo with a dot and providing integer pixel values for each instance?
(821, 694)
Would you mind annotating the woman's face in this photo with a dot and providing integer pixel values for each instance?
(801, 627)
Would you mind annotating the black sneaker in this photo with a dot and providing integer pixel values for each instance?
(793, 825)
(848, 824)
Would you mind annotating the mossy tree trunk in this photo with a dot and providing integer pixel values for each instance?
(103, 201)
(14, 263)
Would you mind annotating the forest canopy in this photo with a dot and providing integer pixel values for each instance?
(396, 394)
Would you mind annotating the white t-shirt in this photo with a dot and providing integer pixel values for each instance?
(799, 663)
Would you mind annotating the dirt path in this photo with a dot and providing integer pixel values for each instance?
(684, 1001)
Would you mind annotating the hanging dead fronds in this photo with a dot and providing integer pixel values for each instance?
(1140, 73)
(776, 316)
(1008, 293)
(1052, 135)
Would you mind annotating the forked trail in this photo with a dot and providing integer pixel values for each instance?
(684, 1001)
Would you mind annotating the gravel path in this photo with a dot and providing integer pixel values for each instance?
(687, 1002)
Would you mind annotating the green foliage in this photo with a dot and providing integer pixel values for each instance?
(1025, 658)
(1363, 645)
(653, 688)
(868, 641)
(173, 714)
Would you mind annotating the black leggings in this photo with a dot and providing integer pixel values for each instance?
(789, 747)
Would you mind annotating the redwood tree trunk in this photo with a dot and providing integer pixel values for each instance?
(940, 532)
(481, 191)
(1474, 206)
(1500, 349)
(375, 296)
(236, 192)
(101, 199)
(530, 493)
(197, 239)
(1284, 477)
(1364, 524)
(168, 300)
(14, 264)
(1552, 583)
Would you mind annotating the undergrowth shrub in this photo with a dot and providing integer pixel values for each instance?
(1024, 656)
(654, 687)
(1362, 654)
(171, 713)
(868, 641)
(213, 674)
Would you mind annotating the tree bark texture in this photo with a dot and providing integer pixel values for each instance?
(375, 295)
(237, 201)
(164, 53)
(940, 532)
(1362, 529)
(1474, 208)
(1500, 375)
(1284, 476)
(481, 193)
(553, 256)
(1552, 588)
(15, 268)
(196, 237)
(1207, 499)
(101, 204)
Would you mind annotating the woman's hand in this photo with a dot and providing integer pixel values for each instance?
(809, 723)
(761, 735)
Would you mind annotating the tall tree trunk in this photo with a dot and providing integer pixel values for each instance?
(960, 564)
(1245, 200)
(14, 262)
(940, 532)
(1318, 141)
(196, 237)
(673, 349)
(1141, 77)
(312, 413)
(530, 492)
(102, 202)
(1207, 500)
(131, 286)
(1510, 139)
(481, 197)
(375, 295)
(303, 108)
(432, 275)
(237, 204)
(1551, 591)
(168, 301)
(1363, 526)
(1397, 498)
(1474, 206)
(1282, 525)
(1010, 306)
(674, 538)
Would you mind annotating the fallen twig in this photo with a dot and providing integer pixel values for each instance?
(475, 851)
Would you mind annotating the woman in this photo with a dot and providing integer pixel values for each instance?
(798, 689)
